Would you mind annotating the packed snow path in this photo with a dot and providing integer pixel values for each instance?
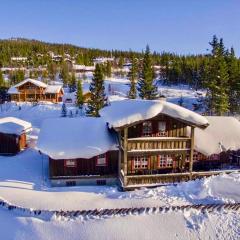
(108, 213)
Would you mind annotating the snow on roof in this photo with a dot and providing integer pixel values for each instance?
(222, 134)
(70, 138)
(33, 81)
(13, 90)
(11, 125)
(126, 112)
(53, 88)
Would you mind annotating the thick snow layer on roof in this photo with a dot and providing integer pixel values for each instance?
(53, 88)
(121, 113)
(223, 133)
(13, 89)
(69, 138)
(11, 125)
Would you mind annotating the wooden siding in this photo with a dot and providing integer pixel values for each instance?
(11, 143)
(85, 167)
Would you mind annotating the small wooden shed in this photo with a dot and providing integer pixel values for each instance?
(13, 135)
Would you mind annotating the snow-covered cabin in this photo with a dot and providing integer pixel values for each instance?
(80, 151)
(32, 90)
(216, 144)
(13, 135)
(154, 139)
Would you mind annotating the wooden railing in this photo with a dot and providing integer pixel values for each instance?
(158, 143)
(157, 179)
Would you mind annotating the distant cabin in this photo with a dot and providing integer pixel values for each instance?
(81, 151)
(31, 90)
(13, 135)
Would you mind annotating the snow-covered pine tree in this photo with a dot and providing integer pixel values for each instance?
(79, 94)
(146, 86)
(133, 74)
(64, 110)
(97, 92)
(72, 82)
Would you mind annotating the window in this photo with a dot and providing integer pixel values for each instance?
(162, 129)
(140, 162)
(70, 163)
(165, 161)
(147, 128)
(101, 160)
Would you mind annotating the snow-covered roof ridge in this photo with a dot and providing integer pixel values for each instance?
(126, 112)
(53, 88)
(33, 81)
(222, 134)
(12, 125)
(70, 138)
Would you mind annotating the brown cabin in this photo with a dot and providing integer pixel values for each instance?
(13, 137)
(86, 154)
(31, 90)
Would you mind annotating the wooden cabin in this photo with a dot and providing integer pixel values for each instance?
(31, 90)
(218, 145)
(81, 151)
(154, 142)
(13, 138)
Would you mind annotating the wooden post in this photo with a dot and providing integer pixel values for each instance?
(119, 154)
(191, 152)
(125, 143)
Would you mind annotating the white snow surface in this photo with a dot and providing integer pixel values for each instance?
(121, 113)
(53, 88)
(12, 125)
(222, 134)
(69, 138)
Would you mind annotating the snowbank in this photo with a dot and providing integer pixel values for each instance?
(69, 138)
(222, 134)
(121, 113)
(11, 125)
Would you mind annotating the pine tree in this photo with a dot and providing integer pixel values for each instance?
(72, 82)
(2, 83)
(234, 82)
(79, 94)
(133, 74)
(97, 92)
(217, 79)
(65, 74)
(146, 87)
(64, 110)
(109, 69)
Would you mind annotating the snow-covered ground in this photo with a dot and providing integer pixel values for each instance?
(23, 182)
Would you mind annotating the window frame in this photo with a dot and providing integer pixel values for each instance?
(165, 161)
(69, 165)
(140, 162)
(150, 126)
(99, 157)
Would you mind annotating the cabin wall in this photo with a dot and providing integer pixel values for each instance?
(11, 143)
(85, 167)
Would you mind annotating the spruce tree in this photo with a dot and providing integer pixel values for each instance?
(146, 87)
(72, 82)
(234, 82)
(97, 92)
(2, 83)
(133, 74)
(79, 94)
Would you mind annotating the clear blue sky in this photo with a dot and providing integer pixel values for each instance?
(181, 26)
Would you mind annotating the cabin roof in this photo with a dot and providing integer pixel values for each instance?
(53, 88)
(222, 134)
(127, 112)
(11, 125)
(70, 138)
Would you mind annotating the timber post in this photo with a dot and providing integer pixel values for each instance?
(125, 143)
(119, 155)
(191, 152)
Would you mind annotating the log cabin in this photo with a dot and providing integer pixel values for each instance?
(31, 90)
(80, 151)
(218, 145)
(13, 135)
(153, 139)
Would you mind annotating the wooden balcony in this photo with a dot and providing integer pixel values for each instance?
(158, 144)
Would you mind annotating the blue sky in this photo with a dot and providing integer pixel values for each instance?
(181, 26)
